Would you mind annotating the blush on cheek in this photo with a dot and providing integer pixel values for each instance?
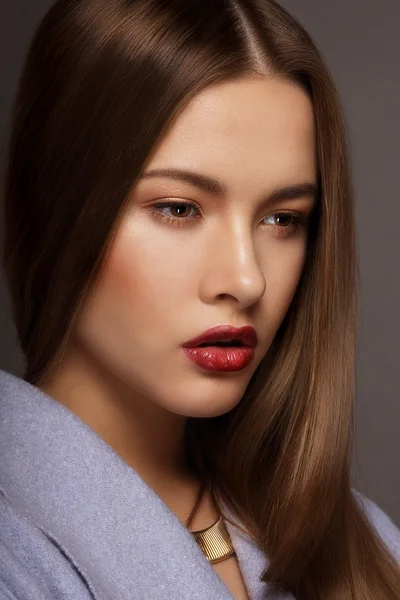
(132, 283)
(121, 272)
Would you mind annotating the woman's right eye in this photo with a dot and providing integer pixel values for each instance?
(183, 219)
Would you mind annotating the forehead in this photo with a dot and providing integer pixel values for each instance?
(258, 124)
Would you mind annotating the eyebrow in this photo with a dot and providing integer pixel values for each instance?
(220, 189)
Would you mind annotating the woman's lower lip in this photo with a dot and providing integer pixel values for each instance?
(220, 358)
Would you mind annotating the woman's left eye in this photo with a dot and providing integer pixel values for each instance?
(183, 219)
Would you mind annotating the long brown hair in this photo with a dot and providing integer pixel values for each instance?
(103, 80)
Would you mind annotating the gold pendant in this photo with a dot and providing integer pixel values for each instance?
(215, 541)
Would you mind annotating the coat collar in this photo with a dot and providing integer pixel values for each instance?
(113, 527)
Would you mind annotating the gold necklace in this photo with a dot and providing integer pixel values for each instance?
(215, 541)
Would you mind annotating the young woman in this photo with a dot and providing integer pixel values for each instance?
(181, 258)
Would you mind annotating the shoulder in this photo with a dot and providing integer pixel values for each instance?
(385, 527)
(31, 565)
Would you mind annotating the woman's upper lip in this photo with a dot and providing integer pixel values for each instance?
(246, 334)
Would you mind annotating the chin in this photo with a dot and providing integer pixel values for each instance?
(205, 407)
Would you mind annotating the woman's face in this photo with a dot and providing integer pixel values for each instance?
(220, 258)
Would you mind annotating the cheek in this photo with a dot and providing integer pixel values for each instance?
(145, 276)
(130, 279)
(126, 314)
(282, 271)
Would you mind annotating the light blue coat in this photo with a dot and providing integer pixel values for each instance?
(78, 523)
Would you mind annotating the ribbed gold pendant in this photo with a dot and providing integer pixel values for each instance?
(215, 541)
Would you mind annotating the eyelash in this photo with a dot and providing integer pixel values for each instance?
(298, 221)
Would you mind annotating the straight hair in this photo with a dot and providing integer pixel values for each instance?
(102, 82)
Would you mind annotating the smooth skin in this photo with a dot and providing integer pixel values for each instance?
(175, 271)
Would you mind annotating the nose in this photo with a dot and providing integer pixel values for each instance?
(232, 269)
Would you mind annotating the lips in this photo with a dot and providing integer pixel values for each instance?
(222, 333)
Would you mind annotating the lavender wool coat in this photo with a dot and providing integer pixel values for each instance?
(78, 523)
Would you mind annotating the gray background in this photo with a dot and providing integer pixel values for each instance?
(360, 41)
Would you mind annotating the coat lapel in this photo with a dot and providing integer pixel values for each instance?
(117, 532)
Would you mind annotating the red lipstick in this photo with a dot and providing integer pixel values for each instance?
(223, 348)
